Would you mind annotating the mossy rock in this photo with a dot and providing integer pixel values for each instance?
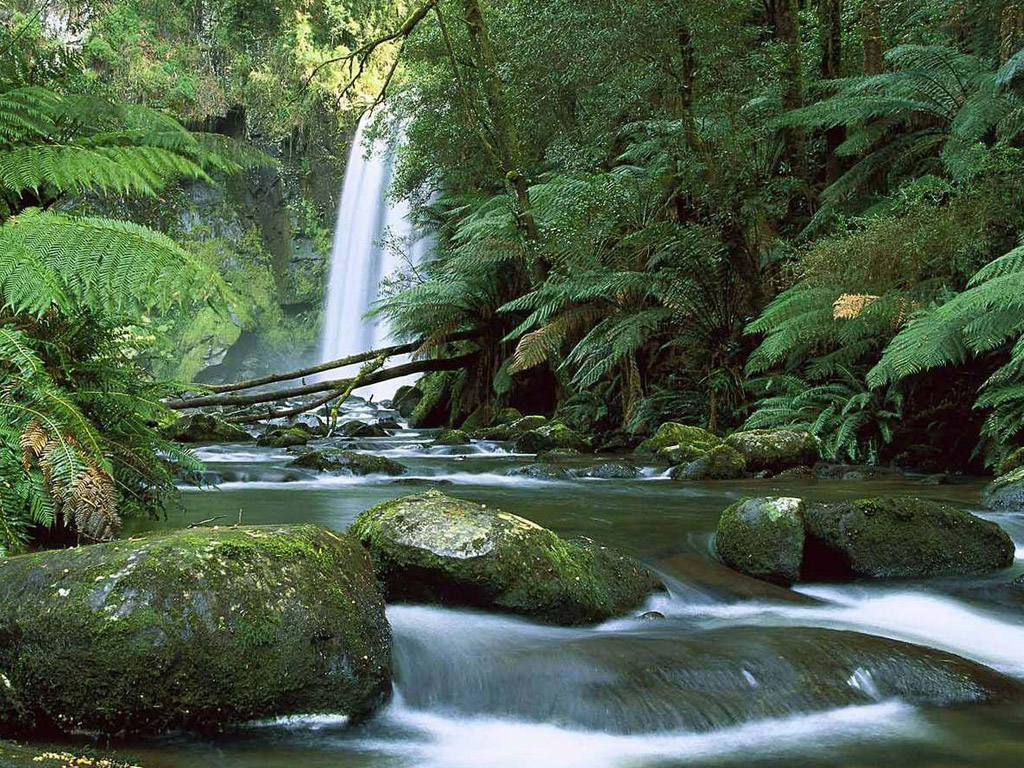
(435, 548)
(719, 463)
(480, 418)
(341, 462)
(556, 455)
(550, 437)
(360, 429)
(507, 416)
(1013, 461)
(1006, 492)
(679, 443)
(612, 470)
(406, 399)
(195, 630)
(774, 450)
(452, 437)
(763, 538)
(541, 471)
(283, 437)
(512, 430)
(205, 428)
(898, 537)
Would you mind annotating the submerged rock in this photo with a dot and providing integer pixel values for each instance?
(196, 629)
(204, 428)
(775, 449)
(283, 437)
(889, 538)
(710, 579)
(550, 437)
(763, 538)
(1006, 492)
(679, 443)
(452, 437)
(435, 548)
(342, 462)
(719, 463)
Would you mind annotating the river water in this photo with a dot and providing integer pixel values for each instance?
(734, 675)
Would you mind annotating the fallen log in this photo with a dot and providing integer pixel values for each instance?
(362, 357)
(333, 386)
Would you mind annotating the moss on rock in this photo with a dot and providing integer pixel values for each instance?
(406, 399)
(679, 443)
(550, 437)
(205, 428)
(195, 629)
(720, 463)
(452, 437)
(763, 538)
(1006, 492)
(283, 437)
(512, 430)
(900, 538)
(774, 450)
(341, 462)
(435, 548)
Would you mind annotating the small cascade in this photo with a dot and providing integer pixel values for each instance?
(359, 258)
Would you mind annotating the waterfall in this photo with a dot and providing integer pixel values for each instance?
(358, 260)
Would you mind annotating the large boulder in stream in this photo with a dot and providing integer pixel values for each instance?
(339, 462)
(451, 437)
(786, 540)
(774, 450)
(719, 463)
(195, 629)
(554, 436)
(679, 443)
(763, 538)
(205, 428)
(652, 681)
(284, 437)
(435, 548)
(406, 399)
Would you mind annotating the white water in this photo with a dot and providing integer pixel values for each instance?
(360, 257)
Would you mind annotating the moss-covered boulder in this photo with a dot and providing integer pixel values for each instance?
(196, 629)
(611, 470)
(763, 538)
(406, 399)
(435, 548)
(360, 429)
(679, 443)
(340, 462)
(205, 428)
(897, 537)
(508, 416)
(550, 437)
(481, 418)
(774, 450)
(452, 437)
(719, 463)
(283, 437)
(541, 471)
(1013, 461)
(1006, 492)
(512, 430)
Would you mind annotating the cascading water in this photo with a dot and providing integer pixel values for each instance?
(360, 258)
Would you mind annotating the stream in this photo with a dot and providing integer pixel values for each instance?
(762, 679)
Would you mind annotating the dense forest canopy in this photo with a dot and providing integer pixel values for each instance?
(763, 213)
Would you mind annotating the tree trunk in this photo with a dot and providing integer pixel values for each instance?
(871, 33)
(830, 15)
(786, 17)
(689, 79)
(506, 140)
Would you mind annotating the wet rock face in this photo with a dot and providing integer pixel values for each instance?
(204, 428)
(785, 540)
(630, 683)
(361, 429)
(1006, 492)
(452, 437)
(775, 450)
(406, 399)
(900, 538)
(541, 472)
(195, 630)
(614, 470)
(434, 548)
(550, 437)
(283, 437)
(763, 538)
(341, 462)
(510, 430)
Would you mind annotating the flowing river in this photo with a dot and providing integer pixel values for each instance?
(733, 675)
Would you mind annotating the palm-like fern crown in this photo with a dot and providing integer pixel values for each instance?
(75, 409)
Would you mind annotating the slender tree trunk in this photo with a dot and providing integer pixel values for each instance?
(506, 140)
(685, 40)
(830, 14)
(786, 19)
(1011, 31)
(871, 33)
